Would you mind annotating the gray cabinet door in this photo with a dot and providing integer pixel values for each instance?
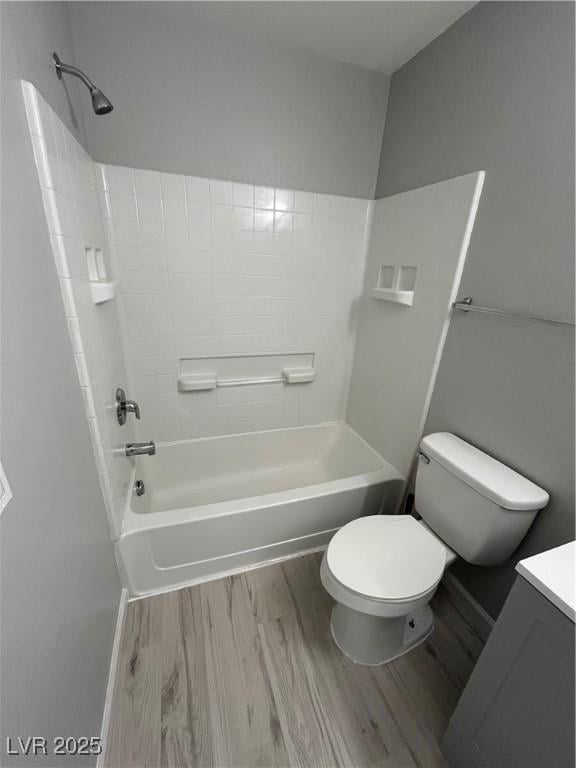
(517, 710)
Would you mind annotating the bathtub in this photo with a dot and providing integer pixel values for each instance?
(220, 505)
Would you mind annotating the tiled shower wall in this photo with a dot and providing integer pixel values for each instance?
(203, 268)
(209, 268)
(67, 178)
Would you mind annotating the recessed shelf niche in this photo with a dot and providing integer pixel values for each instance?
(395, 284)
(102, 289)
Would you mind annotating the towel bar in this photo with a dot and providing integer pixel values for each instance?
(466, 305)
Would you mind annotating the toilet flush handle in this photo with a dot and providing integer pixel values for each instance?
(423, 457)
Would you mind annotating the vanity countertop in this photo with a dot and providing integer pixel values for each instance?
(553, 573)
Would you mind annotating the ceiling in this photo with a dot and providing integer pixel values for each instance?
(377, 35)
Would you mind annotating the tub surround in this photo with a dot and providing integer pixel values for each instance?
(210, 268)
(418, 242)
(201, 266)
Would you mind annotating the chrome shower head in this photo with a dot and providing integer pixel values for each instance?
(100, 104)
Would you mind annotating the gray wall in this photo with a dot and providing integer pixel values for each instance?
(60, 585)
(196, 97)
(496, 92)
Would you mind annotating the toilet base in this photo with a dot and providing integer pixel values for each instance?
(374, 640)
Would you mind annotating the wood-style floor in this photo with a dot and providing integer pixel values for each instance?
(243, 672)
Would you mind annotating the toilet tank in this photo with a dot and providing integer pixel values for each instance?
(478, 506)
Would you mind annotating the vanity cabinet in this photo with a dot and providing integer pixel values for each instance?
(517, 710)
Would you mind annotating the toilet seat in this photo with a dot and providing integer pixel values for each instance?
(386, 558)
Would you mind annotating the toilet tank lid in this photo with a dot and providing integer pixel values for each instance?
(485, 474)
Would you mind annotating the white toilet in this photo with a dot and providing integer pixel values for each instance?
(383, 570)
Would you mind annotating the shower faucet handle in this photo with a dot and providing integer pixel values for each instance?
(124, 406)
(133, 407)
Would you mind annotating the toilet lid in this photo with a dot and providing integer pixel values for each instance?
(386, 557)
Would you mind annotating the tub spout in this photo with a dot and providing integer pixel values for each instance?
(140, 449)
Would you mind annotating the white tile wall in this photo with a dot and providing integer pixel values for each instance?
(67, 177)
(211, 267)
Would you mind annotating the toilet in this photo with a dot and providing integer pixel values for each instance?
(383, 570)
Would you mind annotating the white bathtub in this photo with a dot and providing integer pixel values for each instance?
(219, 505)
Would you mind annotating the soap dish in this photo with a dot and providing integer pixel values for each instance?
(102, 291)
(390, 294)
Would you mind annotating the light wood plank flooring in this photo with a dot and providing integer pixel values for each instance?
(243, 672)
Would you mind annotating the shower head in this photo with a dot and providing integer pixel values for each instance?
(100, 104)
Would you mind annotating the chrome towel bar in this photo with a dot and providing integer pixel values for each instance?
(466, 305)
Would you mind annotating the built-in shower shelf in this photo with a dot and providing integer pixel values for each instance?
(399, 297)
(102, 291)
(395, 283)
(102, 288)
(197, 383)
(245, 370)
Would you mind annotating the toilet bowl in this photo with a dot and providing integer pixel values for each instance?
(382, 570)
